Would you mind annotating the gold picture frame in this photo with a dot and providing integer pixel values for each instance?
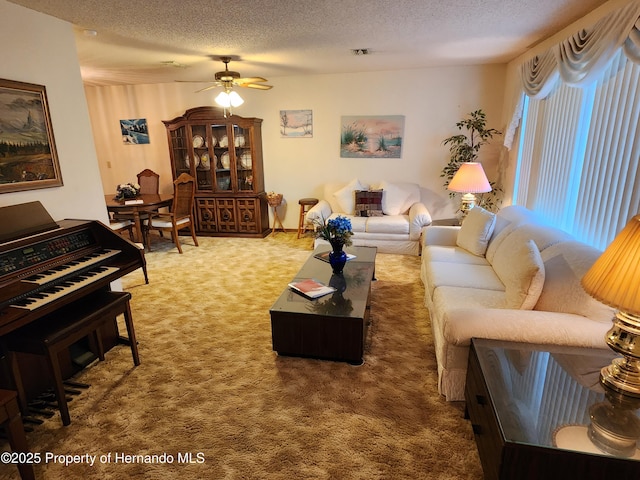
(28, 156)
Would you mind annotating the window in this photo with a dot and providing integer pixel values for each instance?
(579, 154)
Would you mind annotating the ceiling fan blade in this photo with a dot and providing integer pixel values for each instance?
(215, 85)
(257, 86)
(240, 81)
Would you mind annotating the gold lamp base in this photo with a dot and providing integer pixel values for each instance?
(623, 375)
(468, 201)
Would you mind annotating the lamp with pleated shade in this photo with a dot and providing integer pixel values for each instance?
(614, 279)
(469, 179)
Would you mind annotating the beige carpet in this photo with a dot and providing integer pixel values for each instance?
(210, 384)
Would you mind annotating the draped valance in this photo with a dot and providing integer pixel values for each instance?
(583, 56)
(579, 59)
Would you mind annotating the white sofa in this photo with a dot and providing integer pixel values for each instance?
(397, 230)
(506, 277)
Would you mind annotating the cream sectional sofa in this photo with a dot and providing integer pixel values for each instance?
(506, 277)
(396, 230)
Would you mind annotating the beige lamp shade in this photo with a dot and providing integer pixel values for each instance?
(470, 178)
(614, 278)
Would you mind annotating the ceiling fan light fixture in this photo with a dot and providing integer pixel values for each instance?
(235, 99)
(229, 99)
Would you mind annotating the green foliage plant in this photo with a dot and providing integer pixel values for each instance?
(465, 147)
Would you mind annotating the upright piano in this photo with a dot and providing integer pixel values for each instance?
(47, 265)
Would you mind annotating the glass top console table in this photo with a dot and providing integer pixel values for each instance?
(541, 412)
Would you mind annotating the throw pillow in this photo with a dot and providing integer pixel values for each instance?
(520, 268)
(393, 199)
(346, 197)
(476, 230)
(565, 263)
(369, 203)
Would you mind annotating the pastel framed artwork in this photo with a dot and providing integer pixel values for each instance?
(373, 136)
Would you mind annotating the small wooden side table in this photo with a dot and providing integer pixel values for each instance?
(11, 420)
(275, 200)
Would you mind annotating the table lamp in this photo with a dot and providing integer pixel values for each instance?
(469, 179)
(614, 279)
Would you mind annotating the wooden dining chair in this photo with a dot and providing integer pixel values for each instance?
(179, 217)
(149, 181)
(121, 226)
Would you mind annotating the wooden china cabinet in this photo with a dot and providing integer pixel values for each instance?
(225, 157)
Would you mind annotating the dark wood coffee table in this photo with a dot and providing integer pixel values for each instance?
(333, 327)
(530, 409)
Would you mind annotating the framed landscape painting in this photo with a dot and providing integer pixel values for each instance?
(28, 157)
(377, 136)
(296, 123)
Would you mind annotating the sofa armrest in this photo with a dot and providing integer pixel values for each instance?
(441, 235)
(320, 212)
(528, 326)
(419, 217)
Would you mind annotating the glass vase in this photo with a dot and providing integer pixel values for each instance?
(337, 257)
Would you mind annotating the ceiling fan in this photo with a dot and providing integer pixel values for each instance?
(229, 78)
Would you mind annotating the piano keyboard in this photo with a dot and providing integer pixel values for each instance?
(59, 290)
(60, 271)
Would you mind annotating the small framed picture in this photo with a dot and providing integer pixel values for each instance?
(134, 131)
(296, 123)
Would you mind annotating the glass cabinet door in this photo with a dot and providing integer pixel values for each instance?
(243, 152)
(200, 164)
(181, 151)
(221, 160)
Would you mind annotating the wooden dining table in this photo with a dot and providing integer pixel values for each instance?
(144, 203)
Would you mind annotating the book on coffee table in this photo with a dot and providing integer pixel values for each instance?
(324, 256)
(311, 288)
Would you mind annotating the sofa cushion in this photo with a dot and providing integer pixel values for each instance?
(447, 253)
(388, 224)
(346, 196)
(468, 276)
(520, 267)
(394, 198)
(476, 231)
(565, 264)
(446, 299)
(507, 220)
(369, 203)
(358, 224)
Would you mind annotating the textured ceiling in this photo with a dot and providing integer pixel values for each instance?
(162, 40)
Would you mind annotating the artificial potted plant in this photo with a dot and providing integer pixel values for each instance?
(465, 147)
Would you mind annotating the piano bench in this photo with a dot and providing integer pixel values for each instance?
(59, 330)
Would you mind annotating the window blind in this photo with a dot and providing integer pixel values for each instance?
(579, 160)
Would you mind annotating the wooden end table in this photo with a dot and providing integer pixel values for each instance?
(530, 411)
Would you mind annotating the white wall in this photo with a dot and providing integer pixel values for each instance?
(431, 99)
(40, 49)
